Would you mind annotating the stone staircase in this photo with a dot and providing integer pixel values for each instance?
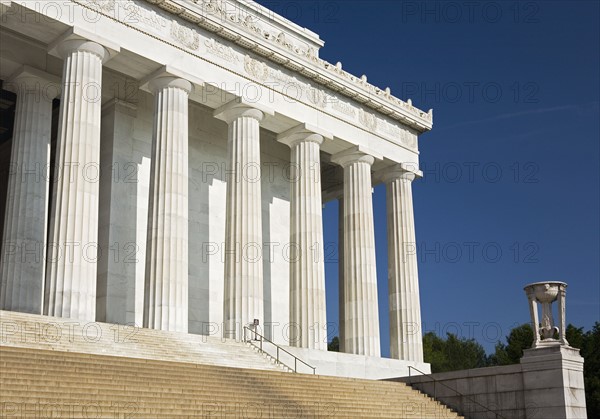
(69, 335)
(165, 375)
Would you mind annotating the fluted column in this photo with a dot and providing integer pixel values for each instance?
(361, 319)
(403, 278)
(22, 268)
(166, 286)
(73, 240)
(243, 288)
(307, 270)
(341, 296)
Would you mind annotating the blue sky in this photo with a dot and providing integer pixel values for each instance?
(511, 188)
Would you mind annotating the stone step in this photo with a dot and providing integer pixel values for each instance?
(73, 386)
(175, 375)
(64, 367)
(53, 333)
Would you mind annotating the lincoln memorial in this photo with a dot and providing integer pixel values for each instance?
(168, 162)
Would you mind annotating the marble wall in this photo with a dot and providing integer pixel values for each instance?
(126, 141)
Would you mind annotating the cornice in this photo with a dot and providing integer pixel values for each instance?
(294, 48)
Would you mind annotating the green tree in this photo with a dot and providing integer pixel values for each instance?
(452, 353)
(433, 351)
(334, 345)
(575, 336)
(519, 339)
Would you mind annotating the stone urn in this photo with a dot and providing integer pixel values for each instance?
(546, 331)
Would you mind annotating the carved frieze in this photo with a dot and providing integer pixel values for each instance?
(255, 68)
(251, 23)
(367, 119)
(103, 5)
(162, 25)
(226, 53)
(343, 107)
(225, 13)
(317, 97)
(186, 36)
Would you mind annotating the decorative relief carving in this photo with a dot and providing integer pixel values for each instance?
(404, 135)
(251, 23)
(317, 96)
(256, 68)
(367, 119)
(103, 5)
(371, 89)
(344, 108)
(285, 83)
(149, 18)
(212, 6)
(222, 51)
(126, 11)
(279, 80)
(291, 85)
(281, 77)
(186, 36)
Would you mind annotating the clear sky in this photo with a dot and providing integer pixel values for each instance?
(511, 188)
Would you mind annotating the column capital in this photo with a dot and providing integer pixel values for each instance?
(239, 107)
(167, 76)
(161, 83)
(75, 45)
(77, 39)
(355, 154)
(407, 171)
(32, 79)
(303, 132)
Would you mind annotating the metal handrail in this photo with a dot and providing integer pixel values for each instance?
(279, 348)
(498, 415)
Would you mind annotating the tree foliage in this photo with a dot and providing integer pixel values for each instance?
(519, 339)
(334, 345)
(452, 353)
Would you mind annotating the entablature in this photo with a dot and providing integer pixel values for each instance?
(155, 39)
(270, 36)
(227, 17)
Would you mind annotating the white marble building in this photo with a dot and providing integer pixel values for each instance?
(168, 164)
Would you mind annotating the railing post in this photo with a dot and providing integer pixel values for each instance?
(278, 348)
(245, 334)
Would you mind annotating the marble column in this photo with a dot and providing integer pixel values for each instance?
(243, 287)
(403, 279)
(166, 282)
(73, 239)
(361, 328)
(307, 270)
(22, 269)
(120, 254)
(341, 296)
